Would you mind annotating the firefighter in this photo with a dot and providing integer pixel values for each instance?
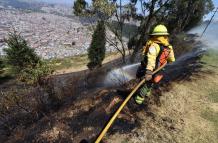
(156, 52)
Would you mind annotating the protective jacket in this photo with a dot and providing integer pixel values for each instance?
(156, 52)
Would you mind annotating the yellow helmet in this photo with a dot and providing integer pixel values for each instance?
(160, 30)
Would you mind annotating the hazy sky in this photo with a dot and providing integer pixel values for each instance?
(71, 2)
(65, 1)
(216, 16)
(62, 1)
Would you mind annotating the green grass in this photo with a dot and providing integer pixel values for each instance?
(74, 61)
(211, 58)
(213, 97)
(211, 116)
(125, 141)
(210, 66)
(58, 64)
(68, 62)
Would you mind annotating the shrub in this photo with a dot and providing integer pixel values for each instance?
(34, 76)
(18, 54)
(23, 60)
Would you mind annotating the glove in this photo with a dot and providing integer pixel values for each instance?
(148, 75)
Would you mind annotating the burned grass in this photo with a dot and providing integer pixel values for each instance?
(84, 116)
(76, 121)
(83, 113)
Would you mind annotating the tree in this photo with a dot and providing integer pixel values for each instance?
(118, 31)
(23, 60)
(147, 21)
(79, 7)
(103, 10)
(178, 15)
(186, 14)
(96, 51)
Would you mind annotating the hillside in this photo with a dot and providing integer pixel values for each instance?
(52, 30)
(183, 109)
(188, 111)
(49, 95)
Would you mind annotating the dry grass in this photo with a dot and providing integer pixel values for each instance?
(189, 112)
(77, 63)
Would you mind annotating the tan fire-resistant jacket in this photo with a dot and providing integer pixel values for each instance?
(152, 49)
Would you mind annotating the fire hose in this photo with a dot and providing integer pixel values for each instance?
(106, 128)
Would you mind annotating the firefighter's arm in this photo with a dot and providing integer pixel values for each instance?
(171, 57)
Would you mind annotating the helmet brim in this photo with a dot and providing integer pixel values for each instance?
(159, 34)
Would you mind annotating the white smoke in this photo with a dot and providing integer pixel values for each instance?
(210, 37)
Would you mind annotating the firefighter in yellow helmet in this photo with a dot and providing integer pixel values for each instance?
(156, 52)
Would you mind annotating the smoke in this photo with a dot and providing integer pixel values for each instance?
(209, 39)
(210, 36)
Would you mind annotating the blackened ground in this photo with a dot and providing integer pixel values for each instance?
(84, 115)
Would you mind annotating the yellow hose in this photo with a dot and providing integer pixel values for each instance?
(122, 105)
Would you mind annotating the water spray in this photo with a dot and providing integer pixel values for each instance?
(104, 131)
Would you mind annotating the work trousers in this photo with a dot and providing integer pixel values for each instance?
(145, 89)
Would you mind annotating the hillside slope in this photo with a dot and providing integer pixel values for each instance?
(188, 113)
